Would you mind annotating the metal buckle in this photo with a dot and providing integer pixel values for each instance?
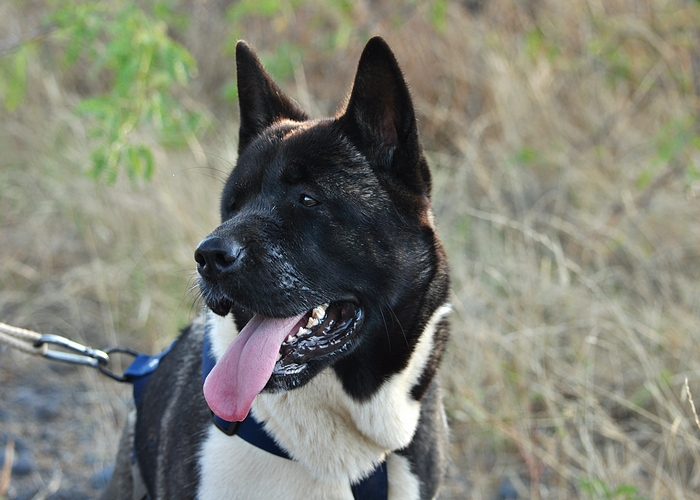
(80, 355)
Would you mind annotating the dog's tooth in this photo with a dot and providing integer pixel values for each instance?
(290, 338)
(279, 356)
(302, 331)
(312, 322)
(319, 312)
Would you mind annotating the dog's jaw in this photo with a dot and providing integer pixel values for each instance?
(280, 354)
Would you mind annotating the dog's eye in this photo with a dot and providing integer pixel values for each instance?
(307, 200)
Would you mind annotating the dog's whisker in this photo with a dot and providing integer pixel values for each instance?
(398, 322)
(206, 171)
(386, 327)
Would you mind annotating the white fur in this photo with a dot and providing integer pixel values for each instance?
(222, 332)
(403, 484)
(333, 439)
(232, 469)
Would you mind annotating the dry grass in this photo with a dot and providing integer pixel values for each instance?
(563, 197)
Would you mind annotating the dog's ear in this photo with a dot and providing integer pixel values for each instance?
(261, 101)
(380, 116)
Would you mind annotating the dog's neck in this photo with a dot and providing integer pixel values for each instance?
(334, 436)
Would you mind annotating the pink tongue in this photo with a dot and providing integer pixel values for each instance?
(246, 366)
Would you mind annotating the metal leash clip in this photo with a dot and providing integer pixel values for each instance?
(80, 355)
(35, 343)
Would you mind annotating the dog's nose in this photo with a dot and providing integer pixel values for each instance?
(215, 256)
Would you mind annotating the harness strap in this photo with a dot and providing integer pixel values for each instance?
(250, 429)
(140, 370)
(373, 487)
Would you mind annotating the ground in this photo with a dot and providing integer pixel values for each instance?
(63, 423)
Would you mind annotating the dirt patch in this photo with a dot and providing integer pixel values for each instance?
(63, 423)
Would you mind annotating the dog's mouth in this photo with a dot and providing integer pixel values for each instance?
(324, 330)
(278, 347)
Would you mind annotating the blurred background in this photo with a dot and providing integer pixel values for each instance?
(565, 145)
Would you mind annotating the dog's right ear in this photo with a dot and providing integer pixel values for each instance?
(260, 100)
(381, 118)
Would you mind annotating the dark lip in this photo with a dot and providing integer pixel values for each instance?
(220, 307)
(221, 304)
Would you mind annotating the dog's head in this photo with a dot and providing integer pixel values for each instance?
(326, 245)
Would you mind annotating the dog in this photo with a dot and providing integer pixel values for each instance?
(327, 301)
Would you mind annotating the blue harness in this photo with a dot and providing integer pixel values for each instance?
(373, 487)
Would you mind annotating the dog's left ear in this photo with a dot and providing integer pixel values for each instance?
(380, 115)
(261, 101)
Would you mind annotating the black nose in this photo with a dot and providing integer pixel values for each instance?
(215, 256)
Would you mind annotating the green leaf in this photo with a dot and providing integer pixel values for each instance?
(99, 162)
(438, 14)
(15, 80)
(230, 91)
(146, 69)
(265, 8)
(534, 42)
(526, 156)
(139, 162)
(645, 178)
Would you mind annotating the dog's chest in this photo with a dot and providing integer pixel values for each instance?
(233, 469)
(334, 440)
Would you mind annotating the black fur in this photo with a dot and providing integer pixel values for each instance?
(430, 436)
(172, 418)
